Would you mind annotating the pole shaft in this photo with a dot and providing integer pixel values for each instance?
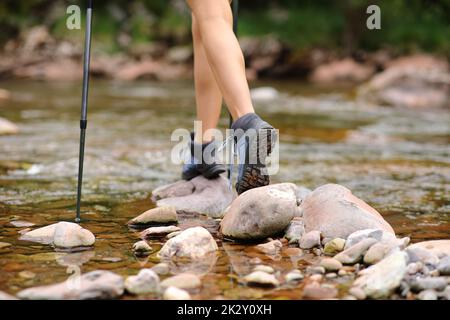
(84, 103)
(234, 9)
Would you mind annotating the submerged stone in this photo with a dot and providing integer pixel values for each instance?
(98, 284)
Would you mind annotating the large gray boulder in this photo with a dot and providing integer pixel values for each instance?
(334, 211)
(97, 284)
(260, 212)
(199, 195)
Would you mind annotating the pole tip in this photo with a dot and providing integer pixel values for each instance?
(77, 220)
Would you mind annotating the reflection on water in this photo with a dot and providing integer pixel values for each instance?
(396, 159)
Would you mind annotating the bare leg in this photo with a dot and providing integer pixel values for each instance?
(214, 22)
(207, 92)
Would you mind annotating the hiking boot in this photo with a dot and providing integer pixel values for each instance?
(254, 141)
(201, 162)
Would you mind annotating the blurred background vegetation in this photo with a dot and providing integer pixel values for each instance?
(407, 25)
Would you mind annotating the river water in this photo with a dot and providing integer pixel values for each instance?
(395, 159)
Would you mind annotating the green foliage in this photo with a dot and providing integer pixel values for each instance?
(406, 24)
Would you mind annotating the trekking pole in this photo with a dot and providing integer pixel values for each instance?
(234, 9)
(84, 102)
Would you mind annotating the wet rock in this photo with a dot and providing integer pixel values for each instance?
(142, 248)
(199, 195)
(62, 235)
(42, 235)
(295, 230)
(381, 279)
(317, 277)
(161, 268)
(263, 268)
(71, 235)
(337, 213)
(146, 281)
(341, 70)
(264, 93)
(315, 270)
(5, 245)
(173, 293)
(27, 274)
(359, 235)
(7, 127)
(444, 266)
(414, 267)
(260, 212)
(378, 252)
(334, 246)
(4, 94)
(182, 281)
(294, 275)
(191, 243)
(21, 224)
(354, 254)
(437, 247)
(331, 264)
(331, 275)
(6, 296)
(260, 278)
(418, 81)
(157, 231)
(428, 295)
(425, 256)
(271, 248)
(358, 293)
(316, 291)
(173, 234)
(160, 215)
(98, 284)
(310, 240)
(435, 283)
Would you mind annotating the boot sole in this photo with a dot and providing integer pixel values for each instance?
(253, 175)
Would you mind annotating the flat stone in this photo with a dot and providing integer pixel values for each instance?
(295, 230)
(418, 253)
(173, 293)
(260, 278)
(173, 234)
(199, 195)
(315, 270)
(335, 212)
(310, 240)
(331, 264)
(261, 212)
(316, 291)
(438, 247)
(142, 248)
(191, 243)
(21, 224)
(159, 215)
(359, 235)
(355, 253)
(182, 281)
(263, 268)
(381, 279)
(434, 283)
(158, 231)
(98, 284)
(294, 275)
(334, 246)
(428, 295)
(42, 235)
(5, 245)
(271, 248)
(146, 281)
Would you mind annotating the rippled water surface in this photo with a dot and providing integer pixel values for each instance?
(395, 159)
